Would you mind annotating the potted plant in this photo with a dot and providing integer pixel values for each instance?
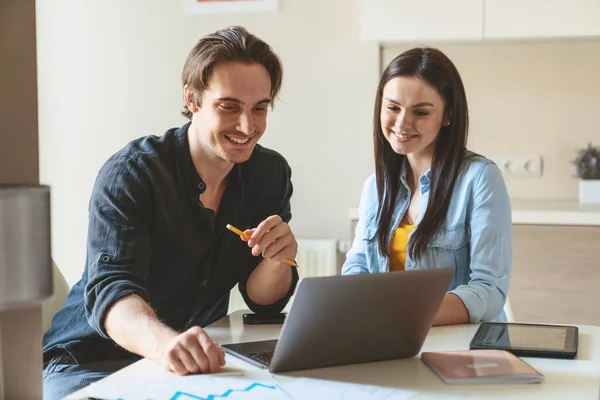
(587, 165)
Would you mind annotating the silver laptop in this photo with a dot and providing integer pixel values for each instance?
(350, 319)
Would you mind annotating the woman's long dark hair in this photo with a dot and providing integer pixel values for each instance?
(436, 69)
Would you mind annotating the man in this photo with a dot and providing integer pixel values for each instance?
(160, 261)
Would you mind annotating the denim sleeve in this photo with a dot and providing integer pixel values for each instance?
(356, 259)
(490, 248)
(118, 249)
(285, 212)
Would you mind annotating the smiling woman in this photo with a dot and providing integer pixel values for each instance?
(431, 203)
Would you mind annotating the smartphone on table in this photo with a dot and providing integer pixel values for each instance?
(259, 319)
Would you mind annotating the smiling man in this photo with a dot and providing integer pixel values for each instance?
(160, 262)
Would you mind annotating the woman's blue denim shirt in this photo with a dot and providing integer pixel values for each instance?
(476, 239)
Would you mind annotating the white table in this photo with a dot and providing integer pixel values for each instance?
(565, 379)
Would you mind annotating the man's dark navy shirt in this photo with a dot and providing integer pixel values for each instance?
(150, 235)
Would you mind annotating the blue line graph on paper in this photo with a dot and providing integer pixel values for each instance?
(182, 395)
(239, 386)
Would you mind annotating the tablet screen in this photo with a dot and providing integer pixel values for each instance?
(526, 337)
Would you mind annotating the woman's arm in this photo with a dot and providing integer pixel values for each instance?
(356, 261)
(452, 311)
(490, 224)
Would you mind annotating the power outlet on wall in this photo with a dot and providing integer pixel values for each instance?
(520, 165)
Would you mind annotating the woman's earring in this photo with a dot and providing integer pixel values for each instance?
(447, 123)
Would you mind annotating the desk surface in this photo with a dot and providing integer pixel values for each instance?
(579, 378)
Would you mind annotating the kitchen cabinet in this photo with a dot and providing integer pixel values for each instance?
(556, 274)
(423, 20)
(426, 21)
(532, 19)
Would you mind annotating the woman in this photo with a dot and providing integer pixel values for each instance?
(431, 203)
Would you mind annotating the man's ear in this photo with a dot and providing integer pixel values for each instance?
(190, 99)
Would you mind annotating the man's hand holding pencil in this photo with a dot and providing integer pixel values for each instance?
(272, 238)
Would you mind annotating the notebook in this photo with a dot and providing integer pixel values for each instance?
(478, 367)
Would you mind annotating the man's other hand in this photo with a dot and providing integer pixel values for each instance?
(192, 352)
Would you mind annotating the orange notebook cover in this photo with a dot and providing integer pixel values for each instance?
(475, 367)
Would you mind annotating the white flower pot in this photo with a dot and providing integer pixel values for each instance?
(589, 191)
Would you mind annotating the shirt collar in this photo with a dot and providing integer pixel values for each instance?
(424, 180)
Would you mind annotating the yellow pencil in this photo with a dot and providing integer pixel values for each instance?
(246, 237)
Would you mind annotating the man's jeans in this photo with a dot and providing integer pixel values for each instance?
(62, 376)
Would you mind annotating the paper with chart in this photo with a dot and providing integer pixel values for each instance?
(240, 386)
(312, 389)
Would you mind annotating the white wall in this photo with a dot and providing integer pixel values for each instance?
(108, 72)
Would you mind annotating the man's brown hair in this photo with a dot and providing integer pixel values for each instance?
(234, 43)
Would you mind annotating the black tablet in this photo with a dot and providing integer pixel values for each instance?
(528, 340)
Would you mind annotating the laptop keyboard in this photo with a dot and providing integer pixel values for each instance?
(263, 357)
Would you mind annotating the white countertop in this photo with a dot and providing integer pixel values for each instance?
(545, 212)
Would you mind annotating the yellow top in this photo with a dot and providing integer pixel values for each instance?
(398, 247)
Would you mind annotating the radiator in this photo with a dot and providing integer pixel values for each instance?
(316, 257)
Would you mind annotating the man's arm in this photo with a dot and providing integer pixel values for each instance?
(118, 248)
(271, 284)
(117, 305)
(133, 325)
(272, 279)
